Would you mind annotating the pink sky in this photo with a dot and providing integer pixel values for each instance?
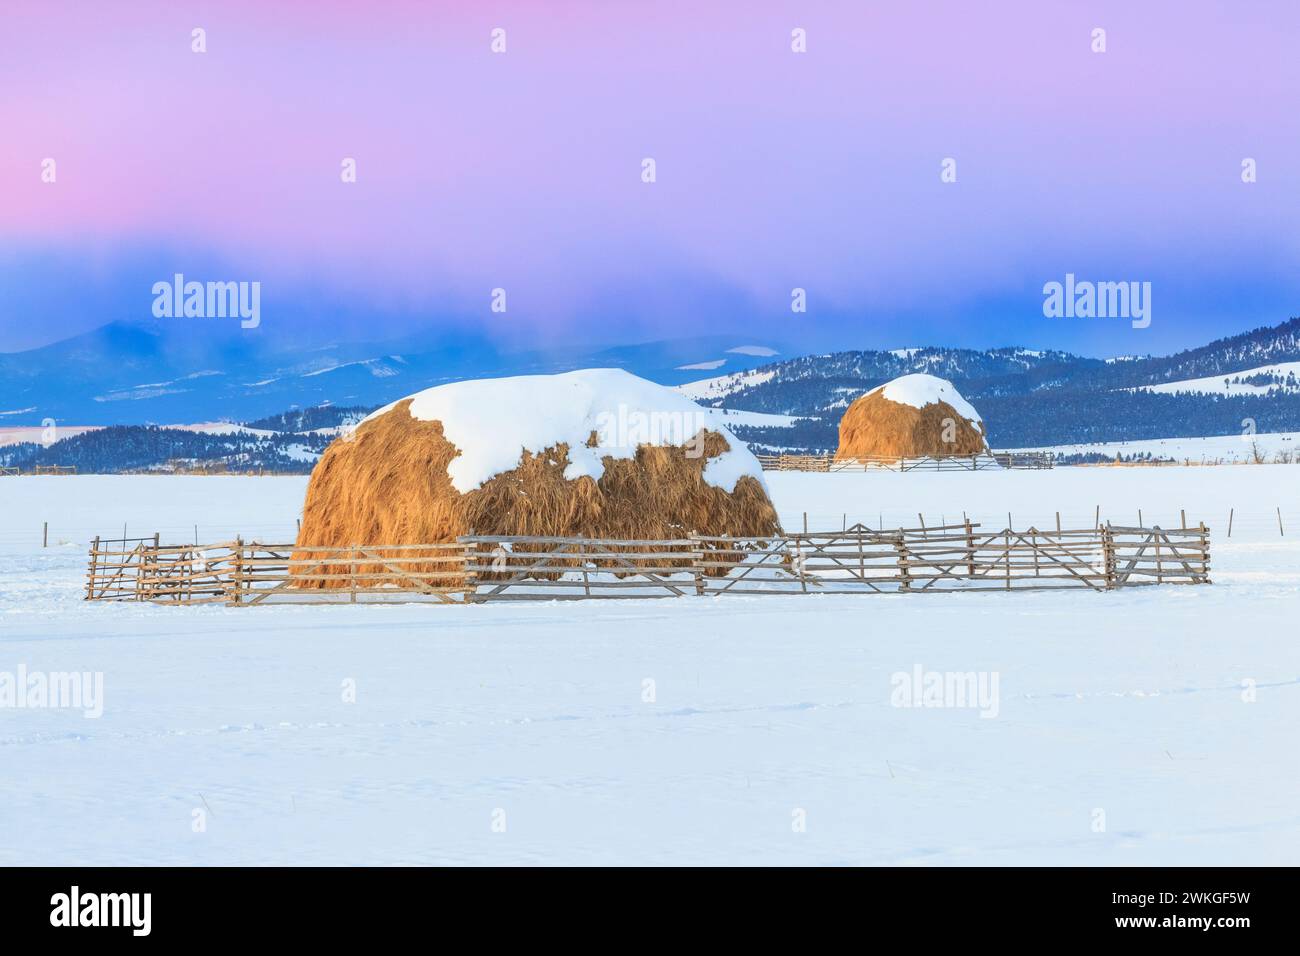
(775, 169)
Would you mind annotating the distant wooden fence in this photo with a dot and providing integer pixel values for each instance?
(1030, 460)
(981, 462)
(216, 469)
(220, 471)
(482, 569)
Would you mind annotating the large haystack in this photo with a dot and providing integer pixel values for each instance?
(598, 453)
(915, 416)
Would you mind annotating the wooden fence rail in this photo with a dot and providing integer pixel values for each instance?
(980, 462)
(487, 569)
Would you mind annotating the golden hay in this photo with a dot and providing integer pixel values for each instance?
(387, 483)
(875, 427)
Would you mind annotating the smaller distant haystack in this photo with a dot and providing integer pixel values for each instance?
(915, 416)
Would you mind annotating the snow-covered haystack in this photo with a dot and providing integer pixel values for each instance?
(914, 416)
(598, 453)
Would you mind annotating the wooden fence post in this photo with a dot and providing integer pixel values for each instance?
(862, 556)
(1160, 564)
(1007, 554)
(147, 569)
(184, 589)
(799, 563)
(94, 566)
(1108, 556)
(237, 596)
(582, 559)
(1205, 553)
(905, 575)
(140, 564)
(970, 547)
(352, 575)
(697, 563)
(469, 578)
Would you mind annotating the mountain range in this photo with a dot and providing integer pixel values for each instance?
(1036, 398)
(187, 371)
(292, 401)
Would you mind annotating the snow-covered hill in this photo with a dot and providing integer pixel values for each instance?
(717, 388)
(1282, 377)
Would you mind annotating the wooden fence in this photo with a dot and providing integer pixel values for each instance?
(216, 469)
(981, 462)
(115, 567)
(41, 470)
(1030, 460)
(482, 569)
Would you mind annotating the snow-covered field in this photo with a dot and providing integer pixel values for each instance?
(1214, 449)
(731, 730)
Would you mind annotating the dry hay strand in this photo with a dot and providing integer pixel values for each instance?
(387, 483)
(875, 427)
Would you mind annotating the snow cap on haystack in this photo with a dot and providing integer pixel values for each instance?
(914, 416)
(598, 453)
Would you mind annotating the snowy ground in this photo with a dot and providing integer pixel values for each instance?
(765, 712)
(1214, 449)
(1235, 383)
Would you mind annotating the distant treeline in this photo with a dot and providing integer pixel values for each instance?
(121, 448)
(1037, 419)
(310, 419)
(1068, 418)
